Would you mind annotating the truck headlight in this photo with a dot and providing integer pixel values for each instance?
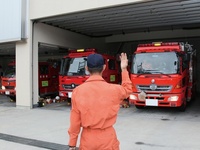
(173, 98)
(3, 87)
(61, 94)
(133, 97)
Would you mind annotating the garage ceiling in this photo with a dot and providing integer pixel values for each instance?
(136, 17)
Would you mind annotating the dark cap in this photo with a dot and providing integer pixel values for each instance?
(95, 61)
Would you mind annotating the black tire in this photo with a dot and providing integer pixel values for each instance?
(139, 107)
(182, 108)
(13, 98)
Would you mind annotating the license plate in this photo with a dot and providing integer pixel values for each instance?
(151, 102)
(7, 92)
(69, 94)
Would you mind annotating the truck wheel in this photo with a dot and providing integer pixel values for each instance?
(139, 107)
(183, 106)
(69, 101)
(13, 98)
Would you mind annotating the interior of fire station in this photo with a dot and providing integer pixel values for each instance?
(50, 40)
(62, 38)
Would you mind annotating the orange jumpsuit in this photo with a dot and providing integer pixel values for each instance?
(95, 105)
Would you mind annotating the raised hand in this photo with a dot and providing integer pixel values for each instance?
(124, 61)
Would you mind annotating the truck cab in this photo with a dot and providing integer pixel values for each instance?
(73, 72)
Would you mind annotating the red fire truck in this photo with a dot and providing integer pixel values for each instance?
(163, 75)
(73, 71)
(48, 80)
(8, 81)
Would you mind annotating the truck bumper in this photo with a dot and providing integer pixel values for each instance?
(158, 100)
(65, 94)
(8, 92)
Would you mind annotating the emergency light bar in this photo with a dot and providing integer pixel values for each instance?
(80, 50)
(83, 50)
(159, 44)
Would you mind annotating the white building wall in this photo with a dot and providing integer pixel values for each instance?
(24, 73)
(13, 20)
(56, 36)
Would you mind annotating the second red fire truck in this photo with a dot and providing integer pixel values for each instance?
(73, 71)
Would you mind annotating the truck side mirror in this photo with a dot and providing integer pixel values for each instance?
(186, 58)
(61, 65)
(176, 66)
(129, 58)
(175, 63)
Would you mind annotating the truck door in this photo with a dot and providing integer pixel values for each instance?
(54, 69)
(111, 73)
(44, 81)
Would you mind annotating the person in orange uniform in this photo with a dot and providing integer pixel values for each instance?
(95, 105)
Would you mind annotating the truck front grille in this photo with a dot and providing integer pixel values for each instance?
(69, 86)
(10, 87)
(9, 80)
(164, 88)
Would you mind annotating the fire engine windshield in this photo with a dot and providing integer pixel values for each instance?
(74, 66)
(155, 63)
(9, 72)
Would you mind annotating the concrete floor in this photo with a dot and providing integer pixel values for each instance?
(145, 129)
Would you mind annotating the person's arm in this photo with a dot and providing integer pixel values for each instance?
(126, 82)
(75, 123)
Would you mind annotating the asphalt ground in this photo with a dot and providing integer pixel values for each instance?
(151, 128)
